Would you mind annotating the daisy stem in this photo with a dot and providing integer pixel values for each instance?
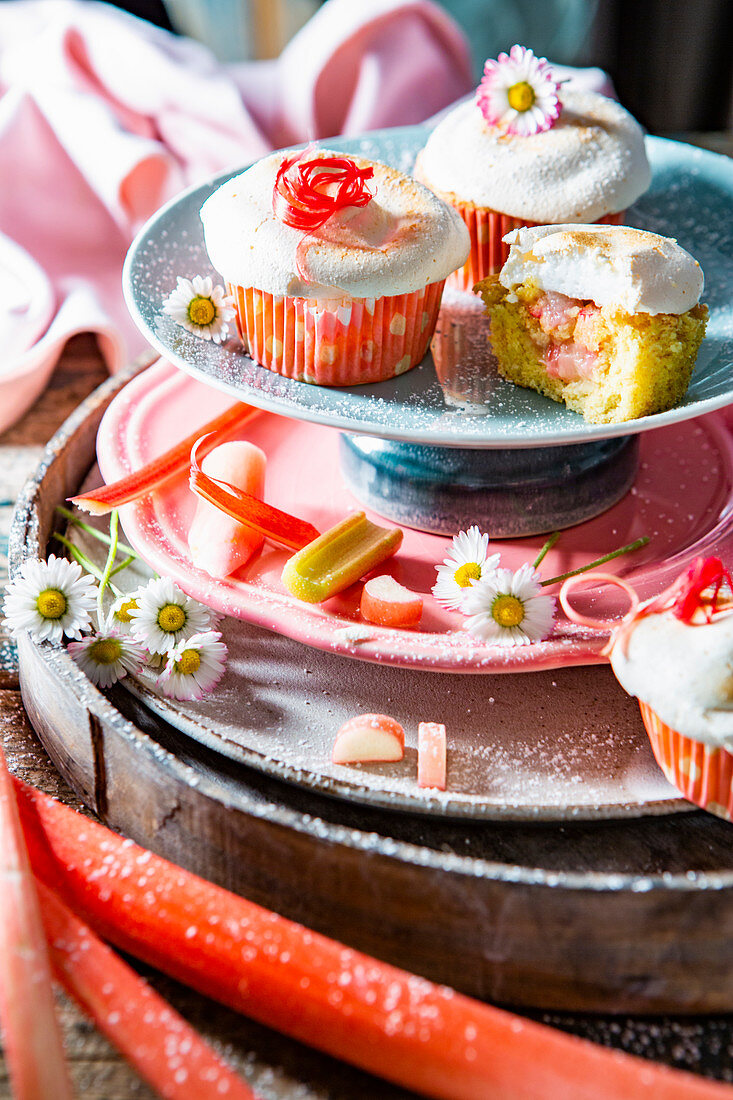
(122, 547)
(114, 522)
(548, 546)
(123, 565)
(83, 560)
(631, 546)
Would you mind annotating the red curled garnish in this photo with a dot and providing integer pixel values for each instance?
(307, 193)
(685, 596)
(274, 524)
(696, 590)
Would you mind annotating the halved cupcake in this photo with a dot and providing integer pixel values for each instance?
(336, 264)
(603, 318)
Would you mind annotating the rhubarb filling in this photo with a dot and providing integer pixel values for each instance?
(571, 326)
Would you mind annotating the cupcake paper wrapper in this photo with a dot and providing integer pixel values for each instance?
(486, 229)
(346, 343)
(702, 773)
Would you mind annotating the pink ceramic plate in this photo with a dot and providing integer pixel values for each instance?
(681, 499)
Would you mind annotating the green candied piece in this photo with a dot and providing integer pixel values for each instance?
(338, 558)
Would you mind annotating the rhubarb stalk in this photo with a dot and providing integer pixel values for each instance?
(172, 463)
(422, 1036)
(33, 1045)
(163, 1048)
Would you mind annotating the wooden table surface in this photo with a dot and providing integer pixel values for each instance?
(276, 1067)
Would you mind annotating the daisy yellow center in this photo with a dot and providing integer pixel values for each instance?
(201, 311)
(190, 662)
(507, 610)
(171, 618)
(521, 96)
(51, 604)
(106, 651)
(123, 611)
(469, 571)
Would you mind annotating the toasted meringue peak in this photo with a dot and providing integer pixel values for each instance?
(404, 239)
(684, 673)
(591, 163)
(612, 265)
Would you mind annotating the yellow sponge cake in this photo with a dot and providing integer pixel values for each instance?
(603, 318)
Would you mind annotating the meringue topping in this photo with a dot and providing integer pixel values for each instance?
(404, 239)
(616, 266)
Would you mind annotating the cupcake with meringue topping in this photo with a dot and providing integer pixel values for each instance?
(675, 654)
(606, 319)
(336, 264)
(527, 151)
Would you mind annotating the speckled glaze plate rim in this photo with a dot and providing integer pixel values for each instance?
(422, 803)
(392, 410)
(314, 625)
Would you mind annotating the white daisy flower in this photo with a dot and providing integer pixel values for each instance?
(468, 561)
(119, 614)
(107, 656)
(507, 609)
(201, 308)
(165, 616)
(50, 599)
(194, 666)
(518, 93)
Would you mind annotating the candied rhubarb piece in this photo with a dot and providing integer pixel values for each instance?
(339, 557)
(219, 544)
(369, 738)
(388, 603)
(431, 755)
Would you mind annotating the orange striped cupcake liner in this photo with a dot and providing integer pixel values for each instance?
(486, 228)
(349, 342)
(702, 773)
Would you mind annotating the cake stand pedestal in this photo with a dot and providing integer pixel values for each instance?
(513, 492)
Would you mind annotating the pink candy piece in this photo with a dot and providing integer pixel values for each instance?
(431, 755)
(219, 544)
(369, 737)
(386, 602)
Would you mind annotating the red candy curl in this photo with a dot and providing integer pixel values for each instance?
(307, 193)
(684, 597)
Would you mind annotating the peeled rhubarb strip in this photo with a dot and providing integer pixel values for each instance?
(388, 603)
(375, 737)
(280, 527)
(172, 463)
(218, 543)
(31, 1035)
(424, 1037)
(431, 755)
(339, 557)
(135, 1019)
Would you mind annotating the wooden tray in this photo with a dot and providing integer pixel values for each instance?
(612, 916)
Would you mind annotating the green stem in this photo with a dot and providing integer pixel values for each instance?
(548, 546)
(72, 518)
(631, 546)
(114, 520)
(83, 560)
(123, 565)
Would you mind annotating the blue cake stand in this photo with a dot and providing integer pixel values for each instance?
(450, 443)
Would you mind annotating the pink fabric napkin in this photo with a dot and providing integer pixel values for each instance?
(103, 117)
